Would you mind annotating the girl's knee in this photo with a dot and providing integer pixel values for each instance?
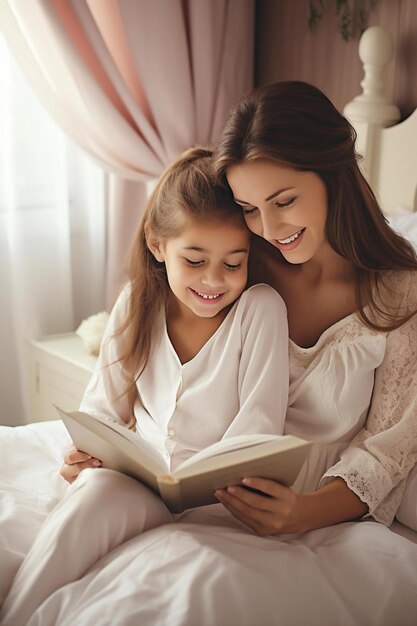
(98, 487)
(108, 487)
(97, 480)
(113, 495)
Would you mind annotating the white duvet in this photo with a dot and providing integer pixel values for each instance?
(205, 570)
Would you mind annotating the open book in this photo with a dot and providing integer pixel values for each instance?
(193, 483)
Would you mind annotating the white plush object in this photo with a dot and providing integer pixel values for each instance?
(91, 331)
(405, 223)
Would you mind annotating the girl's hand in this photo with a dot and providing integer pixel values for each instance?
(75, 462)
(278, 511)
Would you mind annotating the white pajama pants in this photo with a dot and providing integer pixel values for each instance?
(101, 510)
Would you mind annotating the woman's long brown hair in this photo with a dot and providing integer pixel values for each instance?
(295, 124)
(185, 191)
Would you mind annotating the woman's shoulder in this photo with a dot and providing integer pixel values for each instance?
(398, 288)
(406, 278)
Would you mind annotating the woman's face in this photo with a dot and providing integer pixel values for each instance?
(286, 207)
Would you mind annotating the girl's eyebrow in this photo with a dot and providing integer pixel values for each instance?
(276, 193)
(197, 249)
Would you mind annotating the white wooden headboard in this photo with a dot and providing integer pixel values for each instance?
(389, 149)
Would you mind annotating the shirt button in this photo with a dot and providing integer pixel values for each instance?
(166, 455)
(171, 432)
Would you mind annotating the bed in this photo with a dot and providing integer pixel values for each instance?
(216, 575)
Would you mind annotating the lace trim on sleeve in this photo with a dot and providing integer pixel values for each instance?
(383, 511)
(363, 475)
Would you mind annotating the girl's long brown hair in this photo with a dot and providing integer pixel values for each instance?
(186, 190)
(295, 124)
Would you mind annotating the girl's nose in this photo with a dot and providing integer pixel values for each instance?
(212, 276)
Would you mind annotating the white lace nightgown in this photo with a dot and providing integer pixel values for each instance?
(355, 394)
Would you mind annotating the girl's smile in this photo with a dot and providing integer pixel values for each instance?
(209, 298)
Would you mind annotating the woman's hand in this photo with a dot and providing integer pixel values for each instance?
(281, 510)
(276, 510)
(75, 462)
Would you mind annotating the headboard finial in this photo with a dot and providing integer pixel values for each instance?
(372, 106)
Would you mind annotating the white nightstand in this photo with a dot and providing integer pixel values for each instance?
(60, 369)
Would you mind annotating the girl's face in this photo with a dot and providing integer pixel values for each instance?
(286, 207)
(206, 264)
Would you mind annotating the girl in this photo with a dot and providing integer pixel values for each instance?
(187, 359)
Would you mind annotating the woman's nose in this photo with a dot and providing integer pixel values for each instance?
(270, 225)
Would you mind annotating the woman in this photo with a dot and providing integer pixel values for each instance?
(350, 286)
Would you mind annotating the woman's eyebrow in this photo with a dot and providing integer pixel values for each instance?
(276, 193)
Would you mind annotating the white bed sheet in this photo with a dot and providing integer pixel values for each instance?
(206, 570)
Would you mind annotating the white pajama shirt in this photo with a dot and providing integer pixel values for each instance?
(236, 384)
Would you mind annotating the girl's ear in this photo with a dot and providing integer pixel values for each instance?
(155, 246)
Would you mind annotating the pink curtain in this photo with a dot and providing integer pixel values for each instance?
(134, 82)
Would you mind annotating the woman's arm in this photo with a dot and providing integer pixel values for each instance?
(370, 476)
(283, 511)
(377, 462)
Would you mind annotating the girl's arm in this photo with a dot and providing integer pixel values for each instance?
(75, 462)
(104, 393)
(263, 376)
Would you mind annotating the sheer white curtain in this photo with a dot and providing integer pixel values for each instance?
(161, 74)
(52, 233)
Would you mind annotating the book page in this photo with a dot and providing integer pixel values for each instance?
(239, 442)
(279, 459)
(123, 439)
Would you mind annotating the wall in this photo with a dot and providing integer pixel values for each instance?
(287, 50)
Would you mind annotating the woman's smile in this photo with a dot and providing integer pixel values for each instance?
(291, 242)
